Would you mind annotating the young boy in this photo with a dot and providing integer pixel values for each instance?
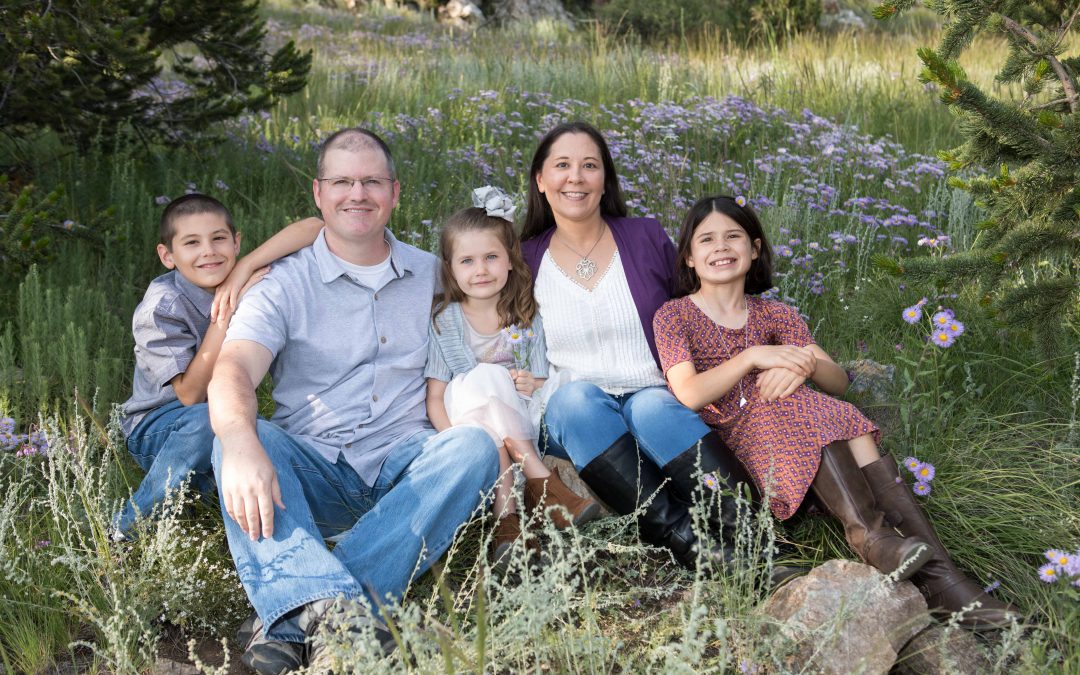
(166, 421)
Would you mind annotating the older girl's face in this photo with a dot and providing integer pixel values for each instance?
(572, 178)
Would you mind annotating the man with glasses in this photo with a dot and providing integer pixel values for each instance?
(341, 327)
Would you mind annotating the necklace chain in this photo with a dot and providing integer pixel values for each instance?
(586, 267)
(746, 341)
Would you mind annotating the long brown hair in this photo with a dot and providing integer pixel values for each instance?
(516, 304)
(538, 215)
(758, 277)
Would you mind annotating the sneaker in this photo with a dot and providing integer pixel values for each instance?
(266, 656)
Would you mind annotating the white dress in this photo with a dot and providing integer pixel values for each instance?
(486, 397)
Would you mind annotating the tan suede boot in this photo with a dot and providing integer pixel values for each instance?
(545, 493)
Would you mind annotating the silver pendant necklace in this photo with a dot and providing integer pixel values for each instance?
(586, 267)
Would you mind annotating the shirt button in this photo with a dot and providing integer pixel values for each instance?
(375, 397)
(383, 339)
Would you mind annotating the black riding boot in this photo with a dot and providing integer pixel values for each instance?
(625, 481)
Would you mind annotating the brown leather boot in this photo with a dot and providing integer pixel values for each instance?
(946, 588)
(544, 493)
(841, 487)
(507, 531)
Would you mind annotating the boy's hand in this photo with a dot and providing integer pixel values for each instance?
(227, 295)
(524, 381)
(249, 490)
(775, 384)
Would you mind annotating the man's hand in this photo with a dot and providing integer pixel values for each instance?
(249, 488)
(775, 384)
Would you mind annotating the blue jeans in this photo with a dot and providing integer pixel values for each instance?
(393, 531)
(170, 443)
(581, 421)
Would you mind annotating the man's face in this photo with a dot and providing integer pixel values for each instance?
(355, 194)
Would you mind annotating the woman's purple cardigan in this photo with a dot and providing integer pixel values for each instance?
(648, 258)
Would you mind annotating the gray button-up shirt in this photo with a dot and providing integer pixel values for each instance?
(169, 326)
(348, 360)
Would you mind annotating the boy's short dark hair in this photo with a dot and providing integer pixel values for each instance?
(190, 205)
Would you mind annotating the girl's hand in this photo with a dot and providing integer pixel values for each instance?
(524, 381)
(227, 299)
(797, 359)
(776, 384)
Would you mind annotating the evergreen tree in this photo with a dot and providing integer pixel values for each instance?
(1025, 256)
(87, 68)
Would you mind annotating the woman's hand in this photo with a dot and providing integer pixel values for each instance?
(799, 360)
(524, 381)
(228, 293)
(775, 384)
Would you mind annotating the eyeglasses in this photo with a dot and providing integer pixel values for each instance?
(375, 184)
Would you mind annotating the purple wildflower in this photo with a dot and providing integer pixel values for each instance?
(913, 314)
(992, 586)
(1048, 573)
(740, 200)
(162, 200)
(7, 425)
(943, 338)
(709, 480)
(924, 473)
(955, 327)
(942, 318)
(912, 464)
(922, 489)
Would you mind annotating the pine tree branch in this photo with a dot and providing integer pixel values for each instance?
(1049, 104)
(1067, 84)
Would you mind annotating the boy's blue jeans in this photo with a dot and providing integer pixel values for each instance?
(581, 421)
(393, 531)
(169, 443)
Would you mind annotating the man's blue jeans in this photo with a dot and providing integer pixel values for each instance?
(170, 443)
(581, 421)
(393, 531)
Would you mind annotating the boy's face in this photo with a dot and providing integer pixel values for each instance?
(204, 250)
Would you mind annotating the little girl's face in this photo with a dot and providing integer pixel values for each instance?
(721, 251)
(479, 264)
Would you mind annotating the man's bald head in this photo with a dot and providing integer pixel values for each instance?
(355, 139)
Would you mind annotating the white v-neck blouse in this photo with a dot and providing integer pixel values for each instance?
(595, 334)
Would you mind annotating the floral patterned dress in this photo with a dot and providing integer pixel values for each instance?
(779, 442)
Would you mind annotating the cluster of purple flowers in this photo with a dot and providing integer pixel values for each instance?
(24, 445)
(518, 340)
(923, 472)
(1062, 565)
(945, 326)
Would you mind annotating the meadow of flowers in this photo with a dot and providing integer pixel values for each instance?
(832, 142)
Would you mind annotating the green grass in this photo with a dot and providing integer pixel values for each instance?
(991, 415)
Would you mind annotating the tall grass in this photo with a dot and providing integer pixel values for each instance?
(463, 109)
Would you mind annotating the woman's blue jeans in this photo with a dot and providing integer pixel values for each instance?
(393, 530)
(581, 421)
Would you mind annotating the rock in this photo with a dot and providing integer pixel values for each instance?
(164, 666)
(835, 18)
(939, 650)
(569, 475)
(461, 13)
(846, 617)
(530, 11)
(871, 378)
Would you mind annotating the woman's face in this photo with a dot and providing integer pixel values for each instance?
(572, 178)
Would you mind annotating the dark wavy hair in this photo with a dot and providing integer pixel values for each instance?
(516, 303)
(758, 279)
(538, 215)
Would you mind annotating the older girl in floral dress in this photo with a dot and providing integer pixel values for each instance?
(742, 361)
